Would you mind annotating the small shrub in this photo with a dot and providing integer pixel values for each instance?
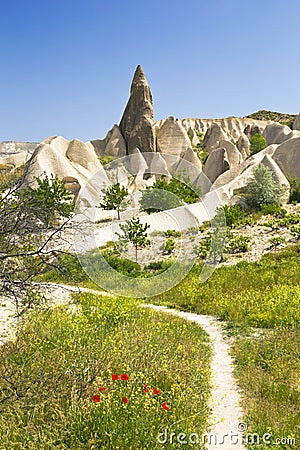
(172, 233)
(238, 245)
(274, 209)
(257, 143)
(168, 247)
(234, 214)
(276, 241)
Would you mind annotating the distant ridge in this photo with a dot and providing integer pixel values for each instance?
(284, 119)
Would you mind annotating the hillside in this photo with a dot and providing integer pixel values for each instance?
(283, 118)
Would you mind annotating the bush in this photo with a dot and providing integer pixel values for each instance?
(234, 214)
(238, 245)
(165, 195)
(295, 190)
(168, 247)
(172, 233)
(263, 189)
(257, 143)
(274, 209)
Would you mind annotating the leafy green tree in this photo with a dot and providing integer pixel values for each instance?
(31, 223)
(114, 198)
(165, 195)
(263, 189)
(135, 233)
(257, 143)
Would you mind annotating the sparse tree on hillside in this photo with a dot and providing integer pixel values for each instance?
(135, 233)
(114, 198)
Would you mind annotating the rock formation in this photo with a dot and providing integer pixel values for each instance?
(172, 138)
(137, 121)
(296, 125)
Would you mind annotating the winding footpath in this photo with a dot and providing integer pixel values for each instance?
(226, 422)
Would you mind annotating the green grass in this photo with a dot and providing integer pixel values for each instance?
(61, 358)
(260, 303)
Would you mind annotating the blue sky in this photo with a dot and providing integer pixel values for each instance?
(66, 66)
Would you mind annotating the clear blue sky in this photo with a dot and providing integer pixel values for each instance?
(67, 65)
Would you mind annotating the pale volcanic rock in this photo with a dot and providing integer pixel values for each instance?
(74, 162)
(191, 156)
(243, 145)
(275, 133)
(172, 138)
(216, 164)
(287, 156)
(296, 125)
(14, 159)
(213, 136)
(137, 121)
(233, 155)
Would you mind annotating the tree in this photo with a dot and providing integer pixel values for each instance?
(263, 189)
(31, 223)
(257, 143)
(135, 233)
(114, 198)
(165, 195)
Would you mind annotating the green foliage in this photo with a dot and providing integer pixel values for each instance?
(234, 214)
(263, 189)
(200, 150)
(273, 209)
(172, 233)
(135, 233)
(30, 223)
(156, 199)
(168, 247)
(277, 240)
(61, 358)
(257, 143)
(268, 367)
(295, 190)
(284, 119)
(114, 198)
(49, 201)
(239, 244)
(165, 195)
(106, 159)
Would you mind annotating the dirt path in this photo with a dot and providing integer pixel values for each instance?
(226, 413)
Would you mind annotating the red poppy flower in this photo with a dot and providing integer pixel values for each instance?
(102, 389)
(124, 377)
(146, 389)
(96, 398)
(124, 399)
(156, 391)
(115, 376)
(165, 406)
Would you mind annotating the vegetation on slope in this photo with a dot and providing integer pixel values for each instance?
(284, 119)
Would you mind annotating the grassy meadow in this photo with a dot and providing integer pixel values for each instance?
(57, 388)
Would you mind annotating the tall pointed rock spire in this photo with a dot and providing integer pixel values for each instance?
(138, 118)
